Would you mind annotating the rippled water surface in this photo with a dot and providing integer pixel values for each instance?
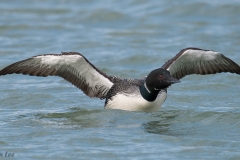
(48, 118)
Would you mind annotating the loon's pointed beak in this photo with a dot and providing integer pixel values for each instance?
(172, 80)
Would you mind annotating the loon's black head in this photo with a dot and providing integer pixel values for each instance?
(159, 79)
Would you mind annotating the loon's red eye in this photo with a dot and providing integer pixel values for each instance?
(160, 77)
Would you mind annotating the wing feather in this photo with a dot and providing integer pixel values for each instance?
(71, 66)
(198, 61)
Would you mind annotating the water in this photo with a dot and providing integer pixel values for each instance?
(48, 118)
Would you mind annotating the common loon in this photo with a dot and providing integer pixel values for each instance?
(145, 94)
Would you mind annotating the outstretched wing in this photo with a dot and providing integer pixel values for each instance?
(198, 61)
(71, 66)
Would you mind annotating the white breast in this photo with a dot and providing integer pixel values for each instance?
(135, 102)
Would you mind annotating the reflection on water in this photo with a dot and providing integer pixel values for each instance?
(77, 118)
(162, 125)
(196, 124)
